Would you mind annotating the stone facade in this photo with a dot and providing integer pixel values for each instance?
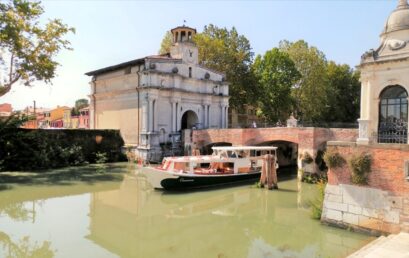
(387, 66)
(152, 99)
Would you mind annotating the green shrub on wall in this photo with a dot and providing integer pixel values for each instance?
(360, 165)
(307, 158)
(333, 159)
(22, 149)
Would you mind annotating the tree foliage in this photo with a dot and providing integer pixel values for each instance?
(321, 90)
(79, 104)
(166, 43)
(228, 51)
(28, 49)
(344, 89)
(311, 92)
(275, 73)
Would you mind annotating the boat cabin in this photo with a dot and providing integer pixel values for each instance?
(225, 160)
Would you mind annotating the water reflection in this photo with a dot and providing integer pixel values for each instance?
(26, 248)
(232, 222)
(19, 211)
(129, 219)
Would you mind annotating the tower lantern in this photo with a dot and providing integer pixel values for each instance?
(183, 34)
(183, 46)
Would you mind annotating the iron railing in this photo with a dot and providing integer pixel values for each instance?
(393, 132)
(301, 124)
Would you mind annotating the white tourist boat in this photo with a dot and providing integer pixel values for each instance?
(227, 165)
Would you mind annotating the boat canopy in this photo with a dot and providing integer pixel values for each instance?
(236, 148)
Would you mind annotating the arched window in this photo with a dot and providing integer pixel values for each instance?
(393, 115)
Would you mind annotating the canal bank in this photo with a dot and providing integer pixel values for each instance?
(127, 218)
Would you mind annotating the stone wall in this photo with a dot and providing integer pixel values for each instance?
(382, 205)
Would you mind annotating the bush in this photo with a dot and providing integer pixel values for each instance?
(360, 168)
(307, 158)
(333, 159)
(23, 149)
(101, 157)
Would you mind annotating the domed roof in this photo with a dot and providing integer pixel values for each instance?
(399, 19)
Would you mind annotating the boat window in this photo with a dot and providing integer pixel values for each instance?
(243, 154)
(232, 154)
(181, 166)
(229, 165)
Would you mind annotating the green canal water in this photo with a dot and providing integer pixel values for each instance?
(117, 214)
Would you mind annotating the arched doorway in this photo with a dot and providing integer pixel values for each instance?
(393, 115)
(189, 120)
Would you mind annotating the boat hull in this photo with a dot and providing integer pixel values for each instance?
(179, 182)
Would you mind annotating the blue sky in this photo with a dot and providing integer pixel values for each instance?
(110, 32)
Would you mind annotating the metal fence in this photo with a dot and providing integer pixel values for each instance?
(301, 124)
(393, 132)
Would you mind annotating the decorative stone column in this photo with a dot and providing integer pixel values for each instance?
(222, 114)
(226, 116)
(145, 114)
(205, 125)
(363, 138)
(208, 116)
(173, 122)
(150, 114)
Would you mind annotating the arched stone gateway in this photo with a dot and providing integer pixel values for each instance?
(189, 120)
(393, 115)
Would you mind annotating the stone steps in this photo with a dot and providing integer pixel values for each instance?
(396, 246)
(367, 248)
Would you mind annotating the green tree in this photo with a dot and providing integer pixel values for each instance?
(166, 43)
(28, 49)
(79, 103)
(344, 86)
(311, 91)
(228, 52)
(276, 75)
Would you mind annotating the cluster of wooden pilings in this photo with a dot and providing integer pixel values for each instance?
(269, 172)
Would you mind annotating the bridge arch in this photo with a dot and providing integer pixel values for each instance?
(287, 152)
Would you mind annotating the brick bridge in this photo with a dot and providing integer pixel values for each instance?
(308, 139)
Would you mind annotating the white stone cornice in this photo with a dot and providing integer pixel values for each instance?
(111, 94)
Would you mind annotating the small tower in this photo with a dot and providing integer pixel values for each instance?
(183, 46)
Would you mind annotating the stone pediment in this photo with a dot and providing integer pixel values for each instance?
(390, 50)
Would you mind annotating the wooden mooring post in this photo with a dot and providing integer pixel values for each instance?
(269, 172)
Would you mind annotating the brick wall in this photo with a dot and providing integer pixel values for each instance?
(307, 137)
(388, 166)
(382, 205)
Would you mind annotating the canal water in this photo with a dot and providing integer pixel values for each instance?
(127, 218)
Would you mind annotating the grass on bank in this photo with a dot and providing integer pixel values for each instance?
(317, 203)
